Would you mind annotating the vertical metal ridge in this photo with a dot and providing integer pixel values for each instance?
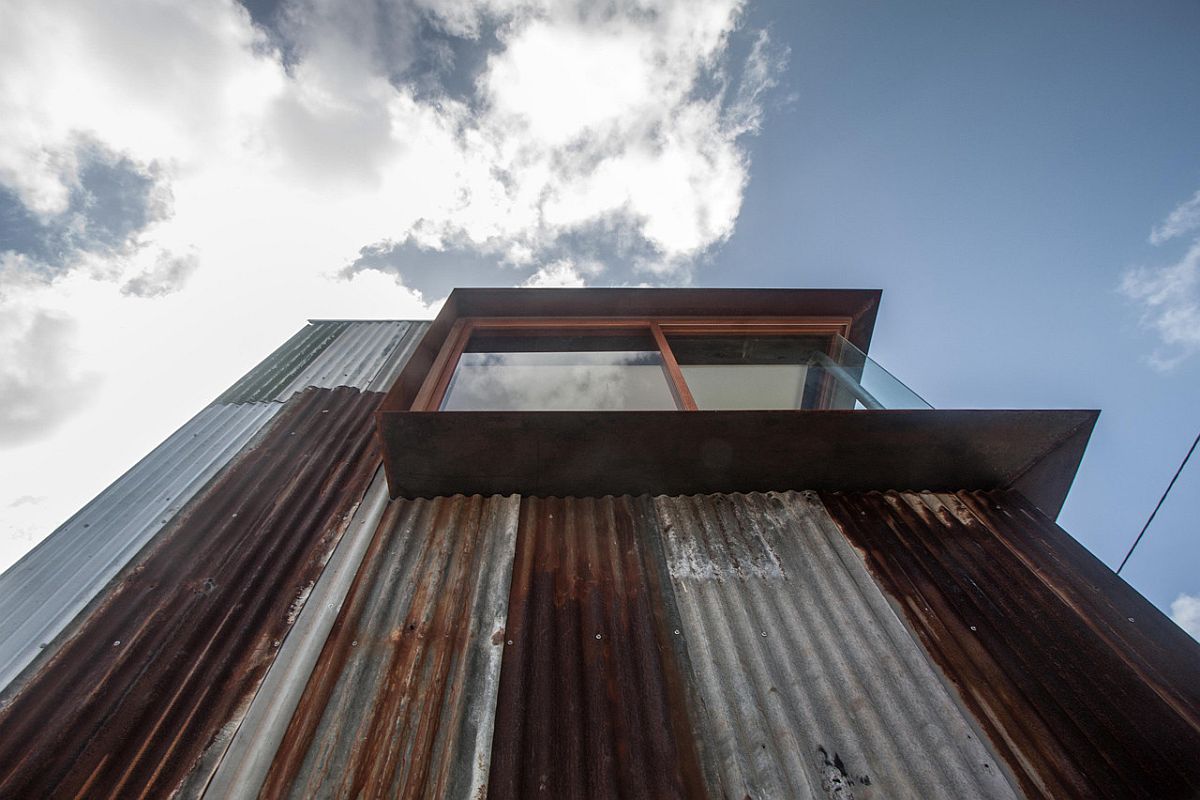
(810, 683)
(44, 591)
(586, 686)
(274, 372)
(402, 698)
(176, 647)
(1070, 713)
(354, 358)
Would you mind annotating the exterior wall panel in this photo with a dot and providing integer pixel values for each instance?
(590, 702)
(1086, 689)
(808, 683)
(45, 590)
(165, 665)
(401, 702)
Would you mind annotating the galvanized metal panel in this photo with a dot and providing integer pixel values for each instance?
(45, 590)
(175, 649)
(278, 370)
(808, 683)
(245, 764)
(354, 358)
(399, 358)
(401, 701)
(1084, 687)
(589, 694)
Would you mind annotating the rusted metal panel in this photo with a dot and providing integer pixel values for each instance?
(808, 683)
(162, 668)
(247, 760)
(591, 702)
(278, 370)
(401, 701)
(43, 592)
(1083, 686)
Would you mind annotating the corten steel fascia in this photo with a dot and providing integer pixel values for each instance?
(671, 452)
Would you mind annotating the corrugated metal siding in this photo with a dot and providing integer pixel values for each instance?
(244, 766)
(399, 357)
(809, 685)
(267, 380)
(42, 593)
(171, 656)
(589, 697)
(401, 701)
(354, 358)
(1084, 687)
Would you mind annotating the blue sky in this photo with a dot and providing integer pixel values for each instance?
(181, 185)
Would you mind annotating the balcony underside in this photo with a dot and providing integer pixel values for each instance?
(668, 452)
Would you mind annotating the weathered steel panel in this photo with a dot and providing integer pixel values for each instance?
(1083, 686)
(808, 684)
(165, 664)
(244, 766)
(401, 701)
(591, 702)
(45, 590)
(278, 370)
(359, 353)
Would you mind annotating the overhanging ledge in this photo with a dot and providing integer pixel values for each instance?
(670, 452)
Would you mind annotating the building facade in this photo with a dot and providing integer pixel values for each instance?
(591, 543)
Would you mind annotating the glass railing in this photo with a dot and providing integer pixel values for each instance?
(858, 382)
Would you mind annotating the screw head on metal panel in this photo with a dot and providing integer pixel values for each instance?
(276, 643)
(117, 643)
(972, 627)
(677, 631)
(1131, 619)
(764, 633)
(598, 636)
(510, 642)
(354, 643)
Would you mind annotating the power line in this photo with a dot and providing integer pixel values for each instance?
(1182, 464)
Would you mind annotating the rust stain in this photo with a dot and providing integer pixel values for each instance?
(590, 701)
(388, 709)
(180, 641)
(1080, 699)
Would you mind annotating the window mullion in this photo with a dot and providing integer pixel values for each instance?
(679, 387)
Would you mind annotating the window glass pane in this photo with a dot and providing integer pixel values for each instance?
(579, 371)
(750, 372)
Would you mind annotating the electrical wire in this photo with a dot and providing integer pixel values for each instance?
(1182, 464)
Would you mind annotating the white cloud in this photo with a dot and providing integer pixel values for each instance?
(1185, 611)
(284, 153)
(1169, 298)
(1184, 219)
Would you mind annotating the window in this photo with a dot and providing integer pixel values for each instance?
(621, 364)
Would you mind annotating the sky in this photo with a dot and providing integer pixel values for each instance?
(182, 185)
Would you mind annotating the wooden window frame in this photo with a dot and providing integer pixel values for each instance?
(437, 381)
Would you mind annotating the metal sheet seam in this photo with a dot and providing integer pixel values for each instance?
(246, 762)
